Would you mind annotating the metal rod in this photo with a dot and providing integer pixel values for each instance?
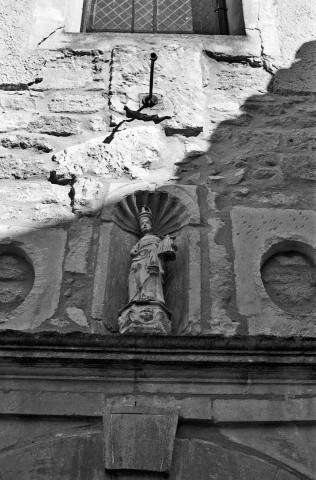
(222, 17)
(153, 58)
(151, 99)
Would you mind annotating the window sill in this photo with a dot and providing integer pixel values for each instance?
(230, 46)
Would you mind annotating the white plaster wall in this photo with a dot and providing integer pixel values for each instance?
(296, 23)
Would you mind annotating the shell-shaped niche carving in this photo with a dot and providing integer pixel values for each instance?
(169, 214)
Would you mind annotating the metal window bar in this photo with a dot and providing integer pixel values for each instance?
(156, 16)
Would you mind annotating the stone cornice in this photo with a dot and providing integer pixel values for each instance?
(173, 350)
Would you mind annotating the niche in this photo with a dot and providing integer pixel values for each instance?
(288, 273)
(175, 214)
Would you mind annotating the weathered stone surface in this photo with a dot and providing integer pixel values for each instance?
(25, 142)
(255, 231)
(34, 203)
(45, 251)
(35, 459)
(261, 410)
(77, 103)
(205, 460)
(182, 92)
(220, 285)
(16, 280)
(17, 101)
(287, 444)
(100, 276)
(98, 123)
(290, 281)
(264, 173)
(66, 73)
(57, 126)
(89, 194)
(139, 439)
(245, 138)
(300, 76)
(10, 121)
(299, 167)
(77, 316)
(284, 475)
(80, 235)
(13, 166)
(132, 153)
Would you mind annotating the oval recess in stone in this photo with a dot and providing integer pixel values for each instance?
(288, 273)
(16, 280)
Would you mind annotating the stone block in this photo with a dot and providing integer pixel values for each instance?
(44, 250)
(77, 316)
(21, 167)
(219, 275)
(254, 144)
(100, 278)
(26, 142)
(139, 439)
(57, 126)
(80, 235)
(258, 410)
(178, 78)
(256, 233)
(299, 167)
(89, 195)
(77, 103)
(34, 204)
(10, 121)
(66, 73)
(301, 139)
(132, 152)
(18, 101)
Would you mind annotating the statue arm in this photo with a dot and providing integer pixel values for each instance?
(134, 251)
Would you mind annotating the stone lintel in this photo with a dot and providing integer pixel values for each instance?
(139, 438)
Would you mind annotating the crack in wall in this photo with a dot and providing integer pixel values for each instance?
(50, 34)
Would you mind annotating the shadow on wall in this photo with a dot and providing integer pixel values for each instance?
(262, 154)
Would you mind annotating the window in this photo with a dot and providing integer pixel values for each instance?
(208, 17)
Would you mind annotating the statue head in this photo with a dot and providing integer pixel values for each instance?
(146, 314)
(145, 219)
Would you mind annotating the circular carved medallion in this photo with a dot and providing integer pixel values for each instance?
(16, 280)
(289, 277)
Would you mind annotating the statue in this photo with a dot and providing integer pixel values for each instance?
(146, 311)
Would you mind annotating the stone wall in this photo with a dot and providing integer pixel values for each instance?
(237, 153)
(241, 134)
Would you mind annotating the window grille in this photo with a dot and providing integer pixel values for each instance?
(157, 16)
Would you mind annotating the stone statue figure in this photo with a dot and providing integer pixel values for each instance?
(146, 311)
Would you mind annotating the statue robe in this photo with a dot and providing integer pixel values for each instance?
(145, 285)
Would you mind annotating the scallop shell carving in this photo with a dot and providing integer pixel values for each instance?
(169, 214)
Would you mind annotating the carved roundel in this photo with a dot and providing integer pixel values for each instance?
(169, 214)
(16, 278)
(288, 273)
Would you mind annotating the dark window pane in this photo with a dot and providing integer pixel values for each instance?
(174, 16)
(205, 19)
(144, 16)
(161, 16)
(111, 15)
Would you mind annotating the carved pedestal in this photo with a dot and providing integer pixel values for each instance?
(149, 318)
